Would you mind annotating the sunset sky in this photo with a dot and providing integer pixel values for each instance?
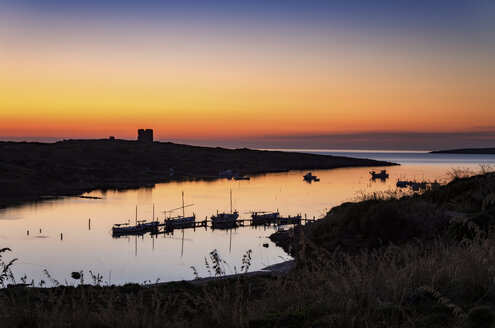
(285, 74)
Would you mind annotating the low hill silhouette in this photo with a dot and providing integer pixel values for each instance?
(29, 170)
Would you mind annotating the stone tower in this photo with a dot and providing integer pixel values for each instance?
(145, 135)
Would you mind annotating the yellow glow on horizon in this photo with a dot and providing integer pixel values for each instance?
(78, 85)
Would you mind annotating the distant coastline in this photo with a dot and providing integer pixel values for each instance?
(478, 151)
(31, 171)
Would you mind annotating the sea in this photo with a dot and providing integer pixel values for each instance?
(55, 237)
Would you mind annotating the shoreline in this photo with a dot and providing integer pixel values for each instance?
(31, 172)
(279, 268)
(466, 151)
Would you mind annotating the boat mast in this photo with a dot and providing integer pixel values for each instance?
(136, 215)
(231, 201)
(153, 218)
(183, 212)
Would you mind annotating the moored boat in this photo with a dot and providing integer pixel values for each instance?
(126, 229)
(289, 220)
(264, 217)
(148, 226)
(225, 218)
(119, 229)
(380, 175)
(180, 221)
(310, 177)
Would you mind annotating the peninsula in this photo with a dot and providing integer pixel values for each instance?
(480, 151)
(31, 171)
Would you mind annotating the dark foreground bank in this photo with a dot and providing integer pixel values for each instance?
(418, 261)
(30, 171)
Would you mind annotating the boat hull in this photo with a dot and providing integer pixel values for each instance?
(224, 218)
(123, 231)
(267, 218)
(180, 222)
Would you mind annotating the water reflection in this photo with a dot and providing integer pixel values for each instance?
(85, 224)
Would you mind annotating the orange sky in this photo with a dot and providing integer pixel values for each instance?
(100, 79)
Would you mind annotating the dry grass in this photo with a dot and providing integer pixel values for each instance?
(414, 285)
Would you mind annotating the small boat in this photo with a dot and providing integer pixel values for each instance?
(180, 221)
(415, 186)
(148, 226)
(381, 175)
(119, 229)
(289, 220)
(264, 217)
(126, 229)
(225, 218)
(310, 177)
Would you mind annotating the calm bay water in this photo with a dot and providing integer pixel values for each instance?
(170, 257)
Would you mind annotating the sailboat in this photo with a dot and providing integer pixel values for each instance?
(180, 221)
(149, 226)
(225, 218)
(126, 229)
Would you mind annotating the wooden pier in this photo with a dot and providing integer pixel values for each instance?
(166, 228)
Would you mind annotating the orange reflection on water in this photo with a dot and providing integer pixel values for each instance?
(90, 246)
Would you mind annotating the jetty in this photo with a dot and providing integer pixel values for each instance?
(275, 220)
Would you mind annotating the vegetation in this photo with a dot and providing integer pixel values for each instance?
(29, 171)
(419, 261)
(457, 210)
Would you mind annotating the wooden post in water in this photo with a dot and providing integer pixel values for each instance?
(28, 232)
(89, 224)
(182, 248)
(61, 236)
(183, 211)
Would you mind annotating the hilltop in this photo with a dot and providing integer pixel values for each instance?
(30, 170)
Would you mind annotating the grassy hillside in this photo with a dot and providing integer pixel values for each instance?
(31, 170)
